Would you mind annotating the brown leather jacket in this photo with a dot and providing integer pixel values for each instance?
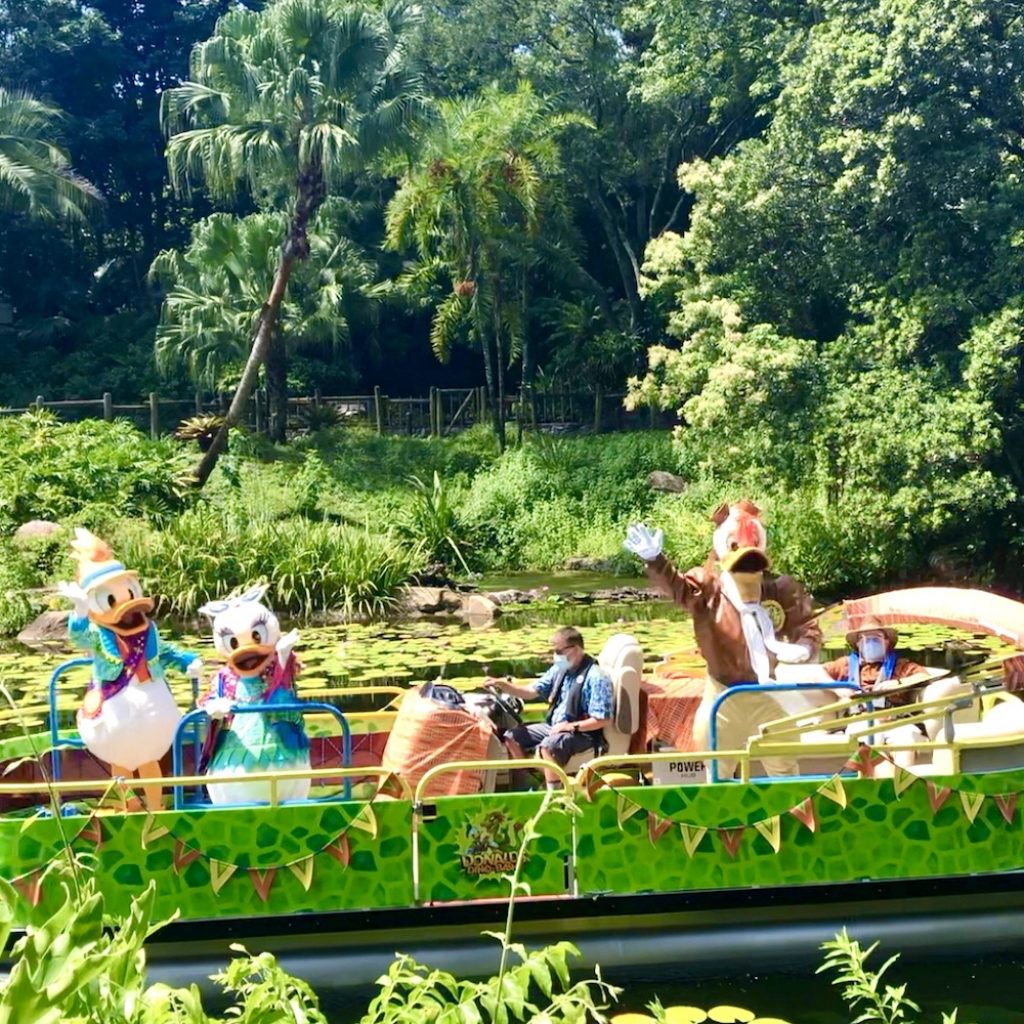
(869, 673)
(717, 623)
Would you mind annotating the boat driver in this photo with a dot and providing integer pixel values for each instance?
(580, 705)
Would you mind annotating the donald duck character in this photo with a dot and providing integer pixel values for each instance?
(740, 615)
(260, 669)
(128, 717)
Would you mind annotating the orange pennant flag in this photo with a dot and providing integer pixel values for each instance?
(804, 813)
(731, 839)
(262, 881)
(1007, 804)
(937, 795)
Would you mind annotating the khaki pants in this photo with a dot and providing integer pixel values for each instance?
(739, 717)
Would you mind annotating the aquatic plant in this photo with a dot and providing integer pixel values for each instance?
(536, 990)
(863, 989)
(433, 522)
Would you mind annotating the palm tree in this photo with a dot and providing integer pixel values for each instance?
(216, 289)
(290, 102)
(472, 206)
(35, 174)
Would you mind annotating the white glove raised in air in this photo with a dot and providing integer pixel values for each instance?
(285, 645)
(791, 654)
(195, 668)
(643, 542)
(77, 596)
(217, 707)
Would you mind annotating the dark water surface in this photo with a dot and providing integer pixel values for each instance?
(985, 991)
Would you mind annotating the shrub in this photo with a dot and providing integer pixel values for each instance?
(311, 566)
(54, 470)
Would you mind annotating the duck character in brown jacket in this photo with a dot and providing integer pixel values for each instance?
(745, 622)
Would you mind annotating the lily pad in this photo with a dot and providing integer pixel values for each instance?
(730, 1015)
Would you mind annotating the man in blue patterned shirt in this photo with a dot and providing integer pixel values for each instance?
(580, 705)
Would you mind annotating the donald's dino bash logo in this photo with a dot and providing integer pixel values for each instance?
(492, 842)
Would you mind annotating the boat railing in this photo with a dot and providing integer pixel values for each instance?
(190, 722)
(57, 743)
(767, 688)
(56, 790)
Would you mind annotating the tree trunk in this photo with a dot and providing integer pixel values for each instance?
(277, 387)
(625, 260)
(311, 194)
(499, 362)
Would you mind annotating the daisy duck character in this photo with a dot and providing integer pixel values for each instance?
(128, 717)
(260, 669)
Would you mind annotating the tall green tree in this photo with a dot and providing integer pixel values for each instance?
(217, 285)
(288, 104)
(36, 177)
(472, 206)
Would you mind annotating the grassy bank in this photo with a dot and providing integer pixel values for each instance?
(338, 519)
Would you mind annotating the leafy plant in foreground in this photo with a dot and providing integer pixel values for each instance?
(536, 990)
(863, 989)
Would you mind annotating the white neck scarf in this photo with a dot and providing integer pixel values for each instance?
(758, 631)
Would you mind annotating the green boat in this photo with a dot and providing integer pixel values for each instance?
(752, 870)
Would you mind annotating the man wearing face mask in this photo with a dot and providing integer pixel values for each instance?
(873, 661)
(580, 702)
(739, 615)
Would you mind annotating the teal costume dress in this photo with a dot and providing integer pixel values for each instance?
(258, 741)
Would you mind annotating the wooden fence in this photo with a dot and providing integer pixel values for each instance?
(441, 412)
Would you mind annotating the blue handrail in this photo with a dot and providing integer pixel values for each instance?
(760, 688)
(55, 741)
(291, 707)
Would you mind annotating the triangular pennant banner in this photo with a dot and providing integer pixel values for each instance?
(339, 850)
(834, 790)
(971, 803)
(1007, 804)
(771, 830)
(864, 761)
(303, 871)
(30, 886)
(902, 780)
(366, 821)
(804, 813)
(731, 839)
(262, 881)
(153, 830)
(625, 809)
(220, 873)
(93, 832)
(656, 827)
(937, 795)
(183, 856)
(692, 835)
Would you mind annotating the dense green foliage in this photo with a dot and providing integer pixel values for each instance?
(796, 226)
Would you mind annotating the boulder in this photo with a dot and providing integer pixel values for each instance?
(662, 480)
(479, 610)
(47, 632)
(428, 600)
(34, 529)
(509, 596)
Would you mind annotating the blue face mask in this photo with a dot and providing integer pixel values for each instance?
(561, 662)
(872, 649)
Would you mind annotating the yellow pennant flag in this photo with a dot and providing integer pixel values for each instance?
(151, 831)
(303, 871)
(626, 809)
(972, 804)
(692, 835)
(220, 873)
(834, 790)
(366, 821)
(771, 830)
(902, 780)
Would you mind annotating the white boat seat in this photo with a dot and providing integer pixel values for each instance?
(623, 662)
